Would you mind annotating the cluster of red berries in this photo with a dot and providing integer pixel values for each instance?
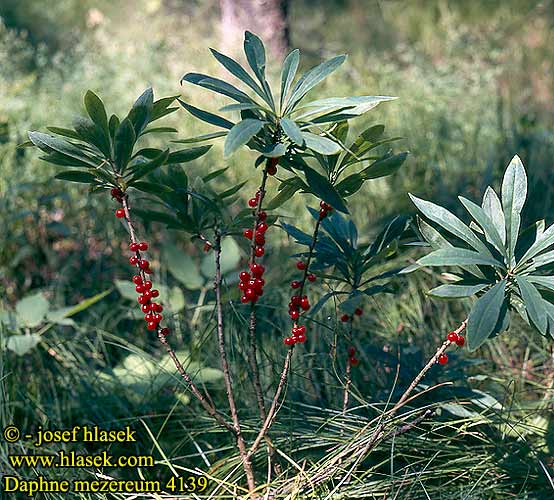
(455, 338)
(352, 359)
(252, 285)
(137, 260)
(324, 209)
(346, 317)
(118, 195)
(261, 227)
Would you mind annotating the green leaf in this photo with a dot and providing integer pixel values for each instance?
(239, 106)
(150, 187)
(311, 78)
(455, 291)
(487, 225)
(51, 145)
(543, 281)
(493, 208)
(384, 166)
(91, 133)
(217, 85)
(514, 193)
(350, 185)
(32, 310)
(161, 108)
(86, 303)
(66, 132)
(160, 130)
(207, 117)
(140, 113)
(22, 344)
(366, 139)
(450, 222)
(140, 170)
(241, 134)
(533, 303)
(543, 241)
(290, 66)
(202, 138)
(186, 155)
(286, 192)
(321, 187)
(97, 112)
(320, 144)
(293, 131)
(484, 316)
(255, 54)
(456, 257)
(183, 267)
(124, 143)
(237, 70)
(76, 176)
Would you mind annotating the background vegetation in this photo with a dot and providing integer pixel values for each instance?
(475, 87)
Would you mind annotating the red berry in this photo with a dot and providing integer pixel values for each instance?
(139, 288)
(158, 318)
(165, 331)
(322, 213)
(351, 351)
(301, 338)
(312, 277)
(301, 265)
(262, 215)
(257, 270)
(452, 336)
(116, 193)
(272, 170)
(354, 361)
(207, 247)
(259, 251)
(443, 359)
(133, 260)
(461, 341)
(252, 202)
(158, 308)
(143, 299)
(155, 293)
(301, 330)
(295, 300)
(295, 284)
(147, 294)
(145, 308)
(262, 227)
(144, 264)
(250, 293)
(260, 239)
(149, 317)
(258, 286)
(305, 303)
(358, 311)
(244, 299)
(322, 205)
(147, 285)
(134, 247)
(294, 314)
(120, 213)
(137, 280)
(289, 341)
(247, 233)
(344, 318)
(243, 285)
(244, 276)
(148, 271)
(152, 325)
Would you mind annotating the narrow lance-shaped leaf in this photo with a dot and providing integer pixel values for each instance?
(484, 315)
(290, 66)
(207, 117)
(543, 241)
(124, 142)
(493, 208)
(514, 193)
(450, 222)
(456, 257)
(456, 291)
(97, 112)
(533, 303)
(240, 134)
(320, 144)
(321, 187)
(293, 131)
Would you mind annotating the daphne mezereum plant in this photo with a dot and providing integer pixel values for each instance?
(507, 268)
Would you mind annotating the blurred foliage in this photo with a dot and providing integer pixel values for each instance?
(475, 86)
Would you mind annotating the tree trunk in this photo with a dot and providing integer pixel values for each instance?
(265, 18)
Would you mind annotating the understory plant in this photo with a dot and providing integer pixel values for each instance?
(304, 148)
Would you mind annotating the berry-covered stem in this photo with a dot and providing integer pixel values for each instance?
(206, 404)
(253, 350)
(225, 367)
(440, 352)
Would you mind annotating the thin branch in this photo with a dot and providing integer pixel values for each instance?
(210, 409)
(225, 367)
